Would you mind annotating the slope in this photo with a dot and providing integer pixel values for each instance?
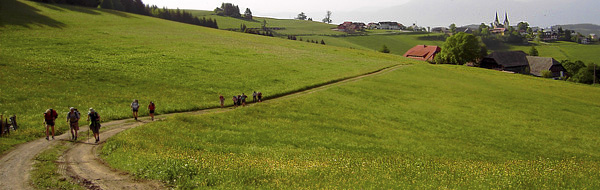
(418, 127)
(62, 56)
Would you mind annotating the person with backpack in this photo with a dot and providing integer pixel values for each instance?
(259, 96)
(135, 106)
(94, 119)
(234, 101)
(222, 99)
(49, 117)
(73, 121)
(152, 107)
(254, 96)
(244, 99)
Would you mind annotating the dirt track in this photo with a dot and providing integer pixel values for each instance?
(82, 163)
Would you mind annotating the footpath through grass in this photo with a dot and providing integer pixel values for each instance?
(59, 56)
(421, 126)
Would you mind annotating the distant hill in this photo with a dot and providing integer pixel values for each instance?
(584, 29)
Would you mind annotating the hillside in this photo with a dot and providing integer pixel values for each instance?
(290, 26)
(418, 127)
(59, 56)
(585, 29)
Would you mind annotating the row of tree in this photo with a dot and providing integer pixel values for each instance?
(293, 37)
(581, 72)
(180, 16)
(327, 19)
(85, 3)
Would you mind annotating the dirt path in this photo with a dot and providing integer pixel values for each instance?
(82, 163)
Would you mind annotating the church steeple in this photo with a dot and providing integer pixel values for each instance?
(496, 22)
(506, 23)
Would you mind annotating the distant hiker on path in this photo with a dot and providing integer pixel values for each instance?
(259, 96)
(151, 107)
(73, 120)
(94, 119)
(49, 117)
(135, 106)
(254, 96)
(244, 97)
(234, 101)
(222, 99)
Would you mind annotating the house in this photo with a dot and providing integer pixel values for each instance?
(440, 30)
(389, 26)
(594, 36)
(372, 26)
(351, 27)
(539, 64)
(513, 61)
(423, 52)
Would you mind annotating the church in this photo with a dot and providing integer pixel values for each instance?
(497, 23)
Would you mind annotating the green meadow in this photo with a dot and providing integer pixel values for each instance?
(418, 127)
(564, 50)
(58, 56)
(290, 26)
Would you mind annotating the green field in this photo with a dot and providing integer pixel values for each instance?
(419, 127)
(292, 27)
(61, 56)
(565, 50)
(397, 43)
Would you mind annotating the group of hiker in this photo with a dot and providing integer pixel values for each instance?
(240, 100)
(93, 117)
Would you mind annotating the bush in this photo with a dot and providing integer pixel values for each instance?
(384, 49)
(547, 74)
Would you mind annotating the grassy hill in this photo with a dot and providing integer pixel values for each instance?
(58, 56)
(419, 127)
(563, 50)
(292, 27)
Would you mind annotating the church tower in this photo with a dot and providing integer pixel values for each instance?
(506, 23)
(497, 22)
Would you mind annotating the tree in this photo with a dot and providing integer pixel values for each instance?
(572, 67)
(384, 49)
(301, 16)
(453, 28)
(533, 51)
(248, 14)
(523, 26)
(310, 19)
(322, 42)
(106, 4)
(264, 24)
(228, 9)
(459, 49)
(327, 18)
(117, 5)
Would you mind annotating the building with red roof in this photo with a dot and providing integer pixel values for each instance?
(423, 52)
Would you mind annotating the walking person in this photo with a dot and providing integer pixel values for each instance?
(135, 106)
(222, 99)
(234, 101)
(244, 97)
(73, 121)
(239, 100)
(94, 119)
(151, 107)
(49, 117)
(259, 96)
(254, 97)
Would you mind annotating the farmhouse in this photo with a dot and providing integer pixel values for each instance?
(351, 27)
(539, 64)
(520, 62)
(514, 61)
(390, 26)
(423, 52)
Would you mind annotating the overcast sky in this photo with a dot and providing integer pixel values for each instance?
(422, 12)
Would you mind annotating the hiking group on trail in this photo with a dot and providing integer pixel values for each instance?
(240, 100)
(73, 117)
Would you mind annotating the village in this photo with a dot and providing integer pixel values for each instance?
(506, 61)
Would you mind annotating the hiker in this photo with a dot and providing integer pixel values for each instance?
(134, 107)
(49, 116)
(234, 101)
(239, 100)
(222, 99)
(254, 96)
(244, 99)
(73, 121)
(151, 107)
(259, 96)
(94, 119)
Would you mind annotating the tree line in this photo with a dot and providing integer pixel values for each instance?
(138, 7)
